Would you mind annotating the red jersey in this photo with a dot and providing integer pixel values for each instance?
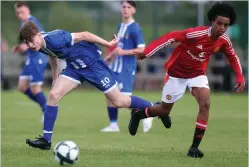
(190, 58)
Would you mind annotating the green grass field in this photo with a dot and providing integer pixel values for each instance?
(82, 115)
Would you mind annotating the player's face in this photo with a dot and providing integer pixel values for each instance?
(22, 13)
(36, 42)
(220, 25)
(127, 10)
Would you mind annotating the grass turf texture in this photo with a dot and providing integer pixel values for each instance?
(83, 113)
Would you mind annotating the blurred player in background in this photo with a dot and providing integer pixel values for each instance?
(187, 68)
(4, 49)
(124, 63)
(32, 74)
(84, 63)
(4, 45)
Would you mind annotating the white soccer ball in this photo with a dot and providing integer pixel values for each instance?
(66, 152)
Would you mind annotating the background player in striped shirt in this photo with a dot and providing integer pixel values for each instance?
(125, 63)
(32, 74)
(187, 68)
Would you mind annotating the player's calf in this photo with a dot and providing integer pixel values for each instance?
(124, 101)
(161, 110)
(35, 89)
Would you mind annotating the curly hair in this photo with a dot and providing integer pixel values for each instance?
(222, 9)
(28, 31)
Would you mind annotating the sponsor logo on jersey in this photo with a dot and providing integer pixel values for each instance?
(199, 46)
(127, 36)
(201, 55)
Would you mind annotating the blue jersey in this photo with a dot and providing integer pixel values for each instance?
(30, 53)
(131, 37)
(59, 43)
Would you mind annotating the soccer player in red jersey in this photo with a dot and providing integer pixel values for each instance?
(187, 68)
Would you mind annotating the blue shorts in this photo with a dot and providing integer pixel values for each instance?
(125, 81)
(33, 70)
(98, 74)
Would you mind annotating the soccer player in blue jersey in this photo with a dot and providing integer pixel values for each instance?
(125, 63)
(32, 74)
(84, 63)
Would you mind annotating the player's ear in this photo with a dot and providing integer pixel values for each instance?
(134, 10)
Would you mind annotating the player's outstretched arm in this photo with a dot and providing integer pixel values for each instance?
(235, 64)
(154, 46)
(87, 36)
(54, 67)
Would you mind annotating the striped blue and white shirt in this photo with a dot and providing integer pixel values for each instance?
(131, 37)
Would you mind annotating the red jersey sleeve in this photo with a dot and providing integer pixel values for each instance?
(174, 36)
(233, 60)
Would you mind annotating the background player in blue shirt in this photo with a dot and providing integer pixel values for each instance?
(124, 65)
(84, 63)
(32, 74)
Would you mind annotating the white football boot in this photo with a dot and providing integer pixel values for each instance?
(113, 127)
(147, 124)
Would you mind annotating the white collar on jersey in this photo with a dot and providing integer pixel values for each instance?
(29, 16)
(209, 31)
(44, 42)
(129, 23)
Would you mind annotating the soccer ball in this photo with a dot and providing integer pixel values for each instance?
(66, 152)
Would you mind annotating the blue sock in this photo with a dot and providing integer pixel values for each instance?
(41, 100)
(137, 102)
(113, 114)
(30, 94)
(50, 115)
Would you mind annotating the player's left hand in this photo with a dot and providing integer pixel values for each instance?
(240, 86)
(114, 41)
(140, 55)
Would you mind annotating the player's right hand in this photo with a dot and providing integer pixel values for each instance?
(240, 85)
(140, 55)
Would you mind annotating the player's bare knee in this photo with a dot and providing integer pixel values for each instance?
(205, 105)
(54, 96)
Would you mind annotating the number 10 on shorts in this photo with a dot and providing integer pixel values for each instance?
(105, 82)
